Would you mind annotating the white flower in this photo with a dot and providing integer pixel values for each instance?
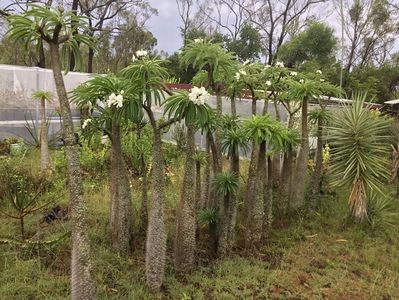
(279, 64)
(104, 139)
(198, 40)
(268, 83)
(322, 80)
(141, 53)
(293, 73)
(134, 58)
(247, 62)
(86, 123)
(301, 80)
(319, 72)
(237, 76)
(242, 72)
(198, 95)
(122, 92)
(267, 66)
(118, 101)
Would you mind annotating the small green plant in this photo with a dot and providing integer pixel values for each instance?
(381, 211)
(208, 216)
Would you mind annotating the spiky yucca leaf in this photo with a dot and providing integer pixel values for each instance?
(360, 148)
(225, 183)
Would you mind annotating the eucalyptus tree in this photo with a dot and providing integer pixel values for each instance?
(192, 108)
(149, 77)
(360, 141)
(43, 96)
(45, 24)
(226, 185)
(116, 102)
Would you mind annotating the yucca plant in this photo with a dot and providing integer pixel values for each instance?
(382, 214)
(192, 108)
(43, 24)
(360, 147)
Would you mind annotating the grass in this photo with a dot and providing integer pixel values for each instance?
(308, 256)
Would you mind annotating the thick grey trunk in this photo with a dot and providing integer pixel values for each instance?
(82, 283)
(301, 171)
(255, 209)
(251, 178)
(44, 153)
(184, 248)
(316, 178)
(144, 198)
(233, 107)
(121, 199)
(286, 175)
(207, 177)
(268, 198)
(156, 235)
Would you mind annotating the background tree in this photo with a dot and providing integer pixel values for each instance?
(53, 27)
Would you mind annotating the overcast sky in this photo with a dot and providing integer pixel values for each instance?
(165, 26)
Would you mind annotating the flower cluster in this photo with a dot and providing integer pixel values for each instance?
(293, 73)
(116, 100)
(268, 83)
(139, 54)
(198, 40)
(86, 123)
(198, 95)
(319, 72)
(301, 80)
(279, 64)
(239, 73)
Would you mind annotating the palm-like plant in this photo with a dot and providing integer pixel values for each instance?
(192, 108)
(44, 24)
(360, 146)
(258, 128)
(319, 117)
(101, 92)
(43, 96)
(149, 77)
(225, 185)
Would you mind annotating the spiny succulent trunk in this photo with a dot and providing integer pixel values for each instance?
(276, 169)
(218, 131)
(121, 199)
(82, 283)
(207, 177)
(285, 186)
(251, 178)
(44, 154)
(255, 209)
(156, 235)
(198, 198)
(301, 171)
(233, 107)
(268, 198)
(144, 198)
(184, 248)
(316, 178)
(358, 200)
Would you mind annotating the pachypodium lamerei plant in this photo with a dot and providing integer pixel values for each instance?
(115, 102)
(192, 108)
(65, 31)
(148, 75)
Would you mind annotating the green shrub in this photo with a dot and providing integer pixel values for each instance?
(382, 212)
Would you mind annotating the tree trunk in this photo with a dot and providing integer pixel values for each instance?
(90, 60)
(276, 163)
(156, 235)
(121, 198)
(285, 186)
(207, 176)
(268, 198)
(235, 168)
(255, 209)
(224, 226)
(44, 154)
(82, 283)
(184, 249)
(144, 197)
(301, 172)
(198, 199)
(233, 107)
(315, 183)
(218, 131)
(251, 178)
